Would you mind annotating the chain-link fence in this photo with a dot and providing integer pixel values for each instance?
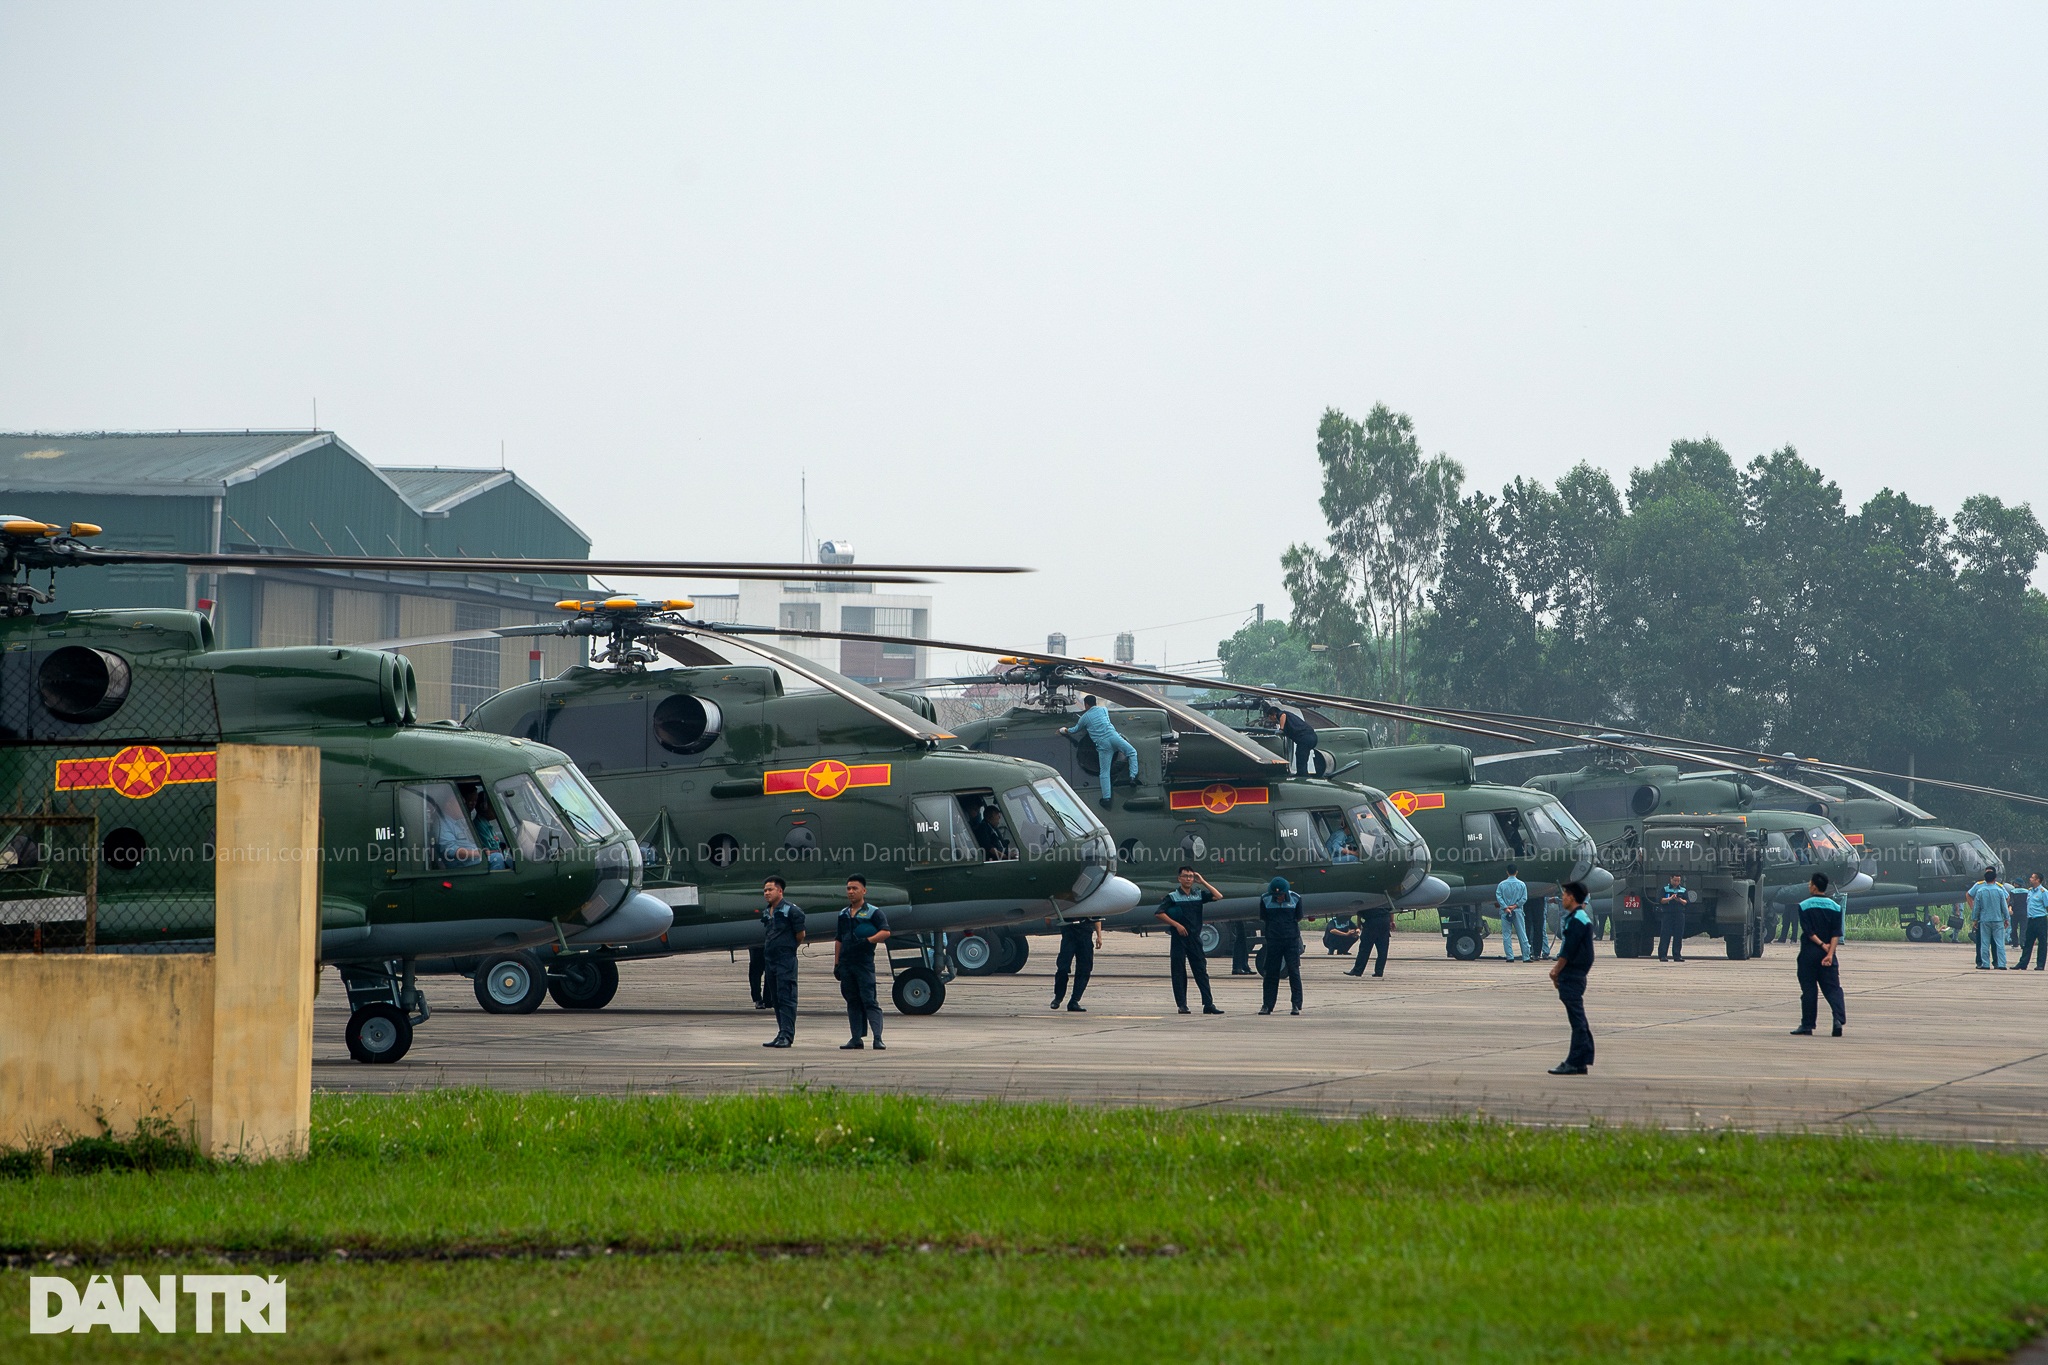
(107, 801)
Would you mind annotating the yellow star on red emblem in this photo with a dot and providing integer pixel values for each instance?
(139, 770)
(1219, 798)
(826, 779)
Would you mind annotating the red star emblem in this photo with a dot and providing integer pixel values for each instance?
(1219, 798)
(138, 771)
(826, 778)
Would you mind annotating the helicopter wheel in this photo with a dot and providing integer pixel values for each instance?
(1916, 931)
(976, 955)
(379, 1033)
(1212, 940)
(1465, 944)
(1018, 953)
(511, 983)
(918, 991)
(584, 985)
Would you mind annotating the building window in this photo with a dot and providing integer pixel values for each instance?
(474, 678)
(799, 616)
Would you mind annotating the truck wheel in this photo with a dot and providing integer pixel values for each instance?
(583, 984)
(1019, 954)
(1466, 944)
(1737, 942)
(975, 955)
(1759, 938)
(1631, 943)
(378, 1033)
(918, 990)
(510, 983)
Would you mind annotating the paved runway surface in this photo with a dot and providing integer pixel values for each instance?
(1934, 1049)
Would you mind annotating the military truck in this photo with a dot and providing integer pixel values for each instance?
(1721, 860)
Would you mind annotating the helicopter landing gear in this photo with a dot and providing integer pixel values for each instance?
(921, 965)
(1019, 953)
(1465, 939)
(583, 983)
(977, 954)
(510, 983)
(384, 1006)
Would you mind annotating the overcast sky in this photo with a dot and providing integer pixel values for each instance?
(1066, 287)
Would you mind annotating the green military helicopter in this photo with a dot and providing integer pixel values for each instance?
(1475, 830)
(436, 840)
(1204, 795)
(727, 777)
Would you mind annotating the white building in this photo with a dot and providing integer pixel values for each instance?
(834, 605)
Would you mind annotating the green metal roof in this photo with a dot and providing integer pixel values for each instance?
(175, 463)
(434, 488)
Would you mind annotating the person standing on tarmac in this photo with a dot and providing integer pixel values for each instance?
(1299, 734)
(1987, 902)
(1240, 948)
(1820, 944)
(1376, 929)
(782, 925)
(1671, 919)
(861, 926)
(1079, 938)
(1509, 897)
(2035, 944)
(1574, 964)
(757, 978)
(1181, 912)
(1280, 913)
(1094, 726)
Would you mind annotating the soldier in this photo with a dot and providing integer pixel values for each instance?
(1299, 734)
(1987, 900)
(1240, 948)
(1510, 896)
(1181, 912)
(757, 978)
(861, 926)
(1574, 964)
(1341, 936)
(1280, 923)
(1820, 942)
(1671, 919)
(782, 925)
(1376, 929)
(1079, 938)
(1536, 918)
(2035, 944)
(1094, 726)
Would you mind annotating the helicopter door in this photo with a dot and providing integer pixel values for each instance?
(1484, 840)
(444, 858)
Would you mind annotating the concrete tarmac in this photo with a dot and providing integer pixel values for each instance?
(1934, 1049)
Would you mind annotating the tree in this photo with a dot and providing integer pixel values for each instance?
(1388, 508)
(1270, 654)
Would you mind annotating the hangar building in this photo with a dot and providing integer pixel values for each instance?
(308, 492)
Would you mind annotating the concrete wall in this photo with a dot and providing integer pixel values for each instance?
(220, 1044)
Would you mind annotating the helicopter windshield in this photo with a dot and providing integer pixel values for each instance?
(1829, 844)
(1562, 818)
(1373, 839)
(1076, 821)
(536, 830)
(1034, 828)
(588, 815)
(1397, 822)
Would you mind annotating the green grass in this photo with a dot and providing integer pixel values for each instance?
(827, 1226)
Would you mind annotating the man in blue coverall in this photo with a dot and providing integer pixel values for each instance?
(1510, 896)
(1987, 903)
(2035, 944)
(1094, 726)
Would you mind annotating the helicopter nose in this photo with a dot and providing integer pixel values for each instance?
(640, 919)
(1859, 883)
(1599, 881)
(1429, 893)
(1113, 897)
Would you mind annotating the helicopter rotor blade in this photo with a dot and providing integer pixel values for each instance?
(866, 698)
(457, 636)
(1483, 759)
(638, 568)
(1899, 803)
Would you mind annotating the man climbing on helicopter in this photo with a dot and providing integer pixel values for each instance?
(1299, 734)
(1094, 725)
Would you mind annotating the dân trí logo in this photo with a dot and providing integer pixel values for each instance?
(247, 1303)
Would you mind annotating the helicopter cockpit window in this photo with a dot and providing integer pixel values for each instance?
(483, 818)
(1973, 856)
(1485, 841)
(1339, 844)
(1373, 839)
(588, 815)
(1032, 827)
(1778, 849)
(437, 827)
(1398, 823)
(535, 830)
(1075, 820)
(944, 835)
(1299, 842)
(1547, 834)
(1828, 844)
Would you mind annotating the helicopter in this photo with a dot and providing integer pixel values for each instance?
(727, 777)
(1204, 795)
(435, 840)
(1917, 860)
